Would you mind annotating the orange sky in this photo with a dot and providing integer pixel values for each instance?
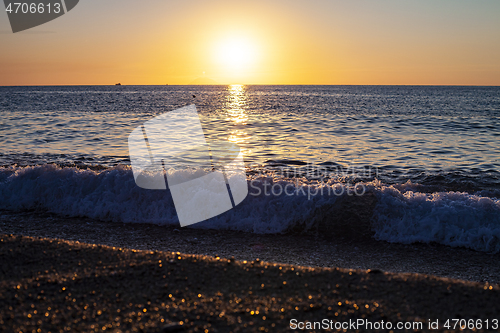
(259, 42)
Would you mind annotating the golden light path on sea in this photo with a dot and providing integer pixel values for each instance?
(238, 117)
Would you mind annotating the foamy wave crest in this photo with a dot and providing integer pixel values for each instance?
(107, 194)
(112, 194)
(402, 214)
(450, 218)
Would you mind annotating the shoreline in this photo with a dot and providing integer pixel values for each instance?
(315, 249)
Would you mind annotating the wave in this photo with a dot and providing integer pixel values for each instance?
(112, 195)
(403, 213)
(450, 218)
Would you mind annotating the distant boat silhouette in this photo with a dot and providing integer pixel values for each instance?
(118, 84)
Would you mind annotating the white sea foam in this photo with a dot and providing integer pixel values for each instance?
(108, 195)
(450, 218)
(113, 195)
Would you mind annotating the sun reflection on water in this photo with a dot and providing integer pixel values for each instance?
(236, 103)
(238, 117)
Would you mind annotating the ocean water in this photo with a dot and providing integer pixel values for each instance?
(430, 155)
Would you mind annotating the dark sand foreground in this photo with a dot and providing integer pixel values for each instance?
(66, 286)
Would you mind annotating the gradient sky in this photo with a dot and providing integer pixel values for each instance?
(450, 42)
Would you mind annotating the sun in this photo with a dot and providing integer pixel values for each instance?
(236, 53)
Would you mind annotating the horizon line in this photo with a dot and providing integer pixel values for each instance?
(253, 84)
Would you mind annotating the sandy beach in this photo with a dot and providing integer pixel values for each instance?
(58, 286)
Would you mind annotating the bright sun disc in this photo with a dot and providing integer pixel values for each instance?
(235, 53)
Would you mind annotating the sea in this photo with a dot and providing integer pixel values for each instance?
(430, 155)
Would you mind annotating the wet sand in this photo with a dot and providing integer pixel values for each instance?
(60, 286)
(318, 248)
